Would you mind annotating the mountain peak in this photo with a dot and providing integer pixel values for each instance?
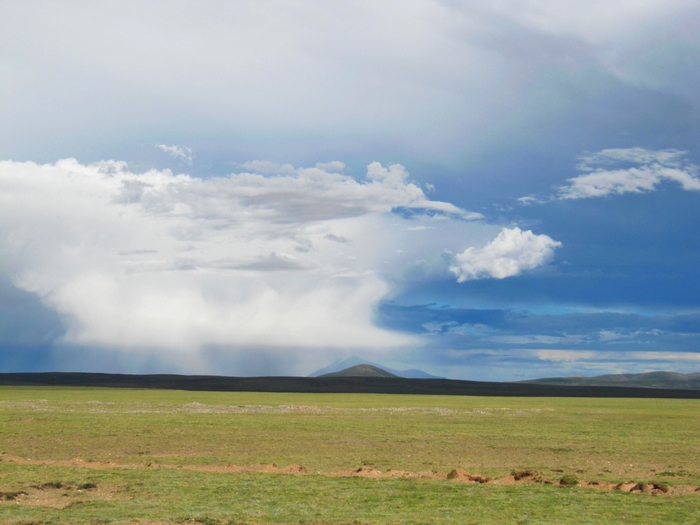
(354, 360)
(361, 370)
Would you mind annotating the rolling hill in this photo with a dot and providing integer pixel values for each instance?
(362, 370)
(355, 360)
(646, 380)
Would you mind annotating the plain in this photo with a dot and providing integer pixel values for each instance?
(87, 455)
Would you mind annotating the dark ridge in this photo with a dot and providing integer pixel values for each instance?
(646, 380)
(363, 370)
(341, 385)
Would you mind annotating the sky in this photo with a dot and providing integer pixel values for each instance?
(489, 190)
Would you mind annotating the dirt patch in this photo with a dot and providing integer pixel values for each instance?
(263, 469)
(105, 407)
(625, 486)
(59, 495)
(649, 488)
(367, 472)
(601, 485)
(362, 472)
(11, 496)
(462, 475)
(53, 493)
(293, 469)
(684, 490)
(75, 462)
(523, 476)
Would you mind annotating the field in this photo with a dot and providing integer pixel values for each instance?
(88, 455)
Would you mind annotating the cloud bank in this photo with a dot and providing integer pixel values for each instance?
(427, 77)
(515, 344)
(296, 258)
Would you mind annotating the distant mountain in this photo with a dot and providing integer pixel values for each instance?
(646, 380)
(361, 371)
(355, 360)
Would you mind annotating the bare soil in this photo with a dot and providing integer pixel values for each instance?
(58, 495)
(61, 495)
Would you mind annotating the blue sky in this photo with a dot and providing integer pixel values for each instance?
(484, 190)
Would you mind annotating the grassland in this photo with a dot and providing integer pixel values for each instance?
(157, 456)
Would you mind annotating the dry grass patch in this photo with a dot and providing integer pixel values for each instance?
(59, 495)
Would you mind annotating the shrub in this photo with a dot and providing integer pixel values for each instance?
(567, 480)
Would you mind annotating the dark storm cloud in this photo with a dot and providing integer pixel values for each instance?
(24, 320)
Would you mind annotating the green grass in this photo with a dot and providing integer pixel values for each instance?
(175, 496)
(607, 439)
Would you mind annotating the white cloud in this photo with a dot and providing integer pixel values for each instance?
(159, 261)
(652, 168)
(691, 357)
(630, 361)
(536, 339)
(182, 153)
(267, 167)
(611, 335)
(519, 364)
(335, 166)
(530, 199)
(566, 356)
(666, 157)
(510, 253)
